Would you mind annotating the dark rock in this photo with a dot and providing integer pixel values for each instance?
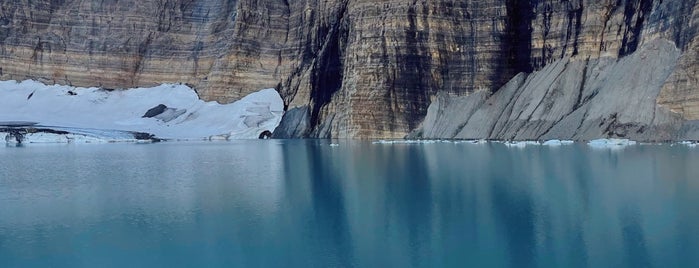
(265, 135)
(145, 137)
(152, 112)
(295, 124)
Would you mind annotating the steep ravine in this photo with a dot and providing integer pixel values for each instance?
(355, 68)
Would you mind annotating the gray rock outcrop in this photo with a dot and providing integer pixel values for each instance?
(572, 98)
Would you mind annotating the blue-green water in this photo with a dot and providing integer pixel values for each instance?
(307, 204)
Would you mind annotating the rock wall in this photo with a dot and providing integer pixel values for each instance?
(350, 68)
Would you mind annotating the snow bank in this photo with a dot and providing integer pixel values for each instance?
(94, 112)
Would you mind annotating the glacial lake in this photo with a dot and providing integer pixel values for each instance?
(304, 203)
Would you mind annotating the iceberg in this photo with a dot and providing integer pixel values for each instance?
(481, 141)
(520, 144)
(552, 143)
(610, 143)
(557, 142)
(690, 144)
(56, 113)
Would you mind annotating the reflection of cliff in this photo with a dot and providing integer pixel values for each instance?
(417, 206)
(359, 68)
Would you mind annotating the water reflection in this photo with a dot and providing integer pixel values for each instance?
(305, 203)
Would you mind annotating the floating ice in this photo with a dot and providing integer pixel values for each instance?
(405, 141)
(520, 144)
(690, 144)
(610, 143)
(97, 113)
(481, 141)
(557, 142)
(429, 141)
(552, 143)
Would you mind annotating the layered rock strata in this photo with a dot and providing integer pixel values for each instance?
(345, 68)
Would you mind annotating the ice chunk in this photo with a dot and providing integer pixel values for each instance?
(520, 144)
(690, 144)
(553, 143)
(557, 142)
(610, 143)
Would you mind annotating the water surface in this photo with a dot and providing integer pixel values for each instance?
(308, 204)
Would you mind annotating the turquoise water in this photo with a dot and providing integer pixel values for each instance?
(307, 204)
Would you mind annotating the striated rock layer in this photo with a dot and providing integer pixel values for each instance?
(357, 68)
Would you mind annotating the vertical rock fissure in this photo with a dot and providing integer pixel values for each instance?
(516, 43)
(573, 29)
(327, 72)
(640, 10)
(413, 81)
(581, 88)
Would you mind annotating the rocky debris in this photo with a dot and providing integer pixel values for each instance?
(164, 113)
(572, 99)
(152, 112)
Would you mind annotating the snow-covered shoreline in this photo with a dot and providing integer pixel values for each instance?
(63, 114)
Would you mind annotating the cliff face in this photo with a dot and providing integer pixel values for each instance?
(345, 68)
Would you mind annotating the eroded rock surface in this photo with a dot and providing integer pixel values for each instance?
(573, 99)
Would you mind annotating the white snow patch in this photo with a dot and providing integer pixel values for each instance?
(111, 113)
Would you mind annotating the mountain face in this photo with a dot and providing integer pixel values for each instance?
(386, 69)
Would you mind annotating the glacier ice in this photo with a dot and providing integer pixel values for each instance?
(94, 114)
